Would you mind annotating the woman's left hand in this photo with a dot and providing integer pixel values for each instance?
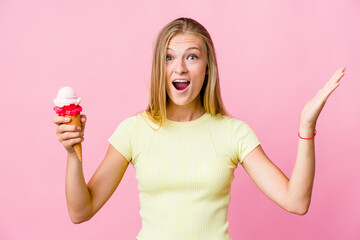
(312, 109)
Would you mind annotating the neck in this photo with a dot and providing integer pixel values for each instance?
(184, 113)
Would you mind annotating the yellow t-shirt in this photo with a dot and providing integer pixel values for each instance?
(184, 172)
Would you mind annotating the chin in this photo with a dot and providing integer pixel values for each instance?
(182, 101)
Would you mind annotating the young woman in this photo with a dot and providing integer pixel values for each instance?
(184, 148)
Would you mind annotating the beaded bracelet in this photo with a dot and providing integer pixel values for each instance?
(309, 137)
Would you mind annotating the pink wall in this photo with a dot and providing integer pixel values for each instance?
(273, 57)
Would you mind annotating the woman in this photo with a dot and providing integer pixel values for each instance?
(184, 147)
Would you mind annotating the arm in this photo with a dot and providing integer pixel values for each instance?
(293, 194)
(84, 200)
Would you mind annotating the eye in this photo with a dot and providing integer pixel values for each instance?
(192, 57)
(168, 58)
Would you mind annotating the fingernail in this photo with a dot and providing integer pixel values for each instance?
(67, 119)
(79, 128)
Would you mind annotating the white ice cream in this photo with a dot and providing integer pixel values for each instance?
(66, 96)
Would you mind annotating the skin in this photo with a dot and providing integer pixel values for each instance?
(293, 194)
(186, 59)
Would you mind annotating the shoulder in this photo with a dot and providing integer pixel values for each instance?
(139, 121)
(128, 122)
(234, 127)
(127, 128)
(226, 120)
(134, 119)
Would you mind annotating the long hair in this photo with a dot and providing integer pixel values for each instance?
(210, 92)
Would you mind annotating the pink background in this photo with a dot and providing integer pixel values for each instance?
(273, 57)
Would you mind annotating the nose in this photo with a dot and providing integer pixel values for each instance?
(180, 67)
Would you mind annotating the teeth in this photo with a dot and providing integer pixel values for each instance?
(181, 80)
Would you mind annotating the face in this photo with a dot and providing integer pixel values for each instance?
(185, 70)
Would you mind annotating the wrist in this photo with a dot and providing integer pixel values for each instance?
(305, 125)
(72, 155)
(307, 132)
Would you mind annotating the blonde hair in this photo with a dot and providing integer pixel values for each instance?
(210, 92)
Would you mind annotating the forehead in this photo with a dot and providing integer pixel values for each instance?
(182, 40)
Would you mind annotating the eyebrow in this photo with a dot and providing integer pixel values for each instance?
(190, 48)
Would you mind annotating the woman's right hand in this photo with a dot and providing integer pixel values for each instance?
(69, 135)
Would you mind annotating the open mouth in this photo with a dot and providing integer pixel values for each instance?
(181, 84)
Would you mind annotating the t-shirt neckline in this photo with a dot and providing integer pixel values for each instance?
(205, 116)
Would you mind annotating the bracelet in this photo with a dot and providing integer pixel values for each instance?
(309, 137)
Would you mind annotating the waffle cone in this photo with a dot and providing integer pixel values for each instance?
(76, 120)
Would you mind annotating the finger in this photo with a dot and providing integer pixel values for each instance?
(337, 75)
(334, 82)
(333, 88)
(69, 135)
(328, 90)
(67, 128)
(83, 122)
(69, 143)
(340, 70)
(60, 120)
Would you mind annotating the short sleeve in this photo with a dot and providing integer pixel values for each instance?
(121, 139)
(245, 140)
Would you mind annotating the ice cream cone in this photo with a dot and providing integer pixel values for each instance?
(67, 104)
(76, 120)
